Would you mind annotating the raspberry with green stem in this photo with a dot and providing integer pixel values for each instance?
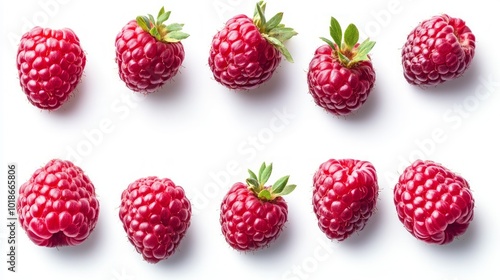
(149, 52)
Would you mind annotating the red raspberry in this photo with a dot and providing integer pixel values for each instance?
(148, 52)
(50, 65)
(156, 214)
(439, 49)
(246, 52)
(433, 203)
(253, 215)
(57, 206)
(345, 194)
(341, 75)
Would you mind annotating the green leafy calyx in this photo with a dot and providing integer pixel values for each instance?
(256, 183)
(345, 46)
(170, 33)
(273, 30)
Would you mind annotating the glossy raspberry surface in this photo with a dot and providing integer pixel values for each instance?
(345, 195)
(439, 49)
(50, 64)
(336, 88)
(155, 214)
(57, 206)
(249, 223)
(240, 57)
(433, 203)
(144, 63)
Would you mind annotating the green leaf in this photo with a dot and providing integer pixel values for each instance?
(266, 173)
(288, 189)
(260, 15)
(274, 21)
(262, 6)
(351, 36)
(336, 31)
(174, 27)
(142, 22)
(251, 182)
(280, 46)
(155, 33)
(365, 47)
(279, 185)
(283, 34)
(261, 169)
(252, 174)
(265, 194)
(330, 43)
(162, 11)
(175, 36)
(344, 59)
(363, 51)
(151, 19)
(284, 51)
(163, 17)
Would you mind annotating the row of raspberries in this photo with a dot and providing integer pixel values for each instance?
(58, 206)
(243, 55)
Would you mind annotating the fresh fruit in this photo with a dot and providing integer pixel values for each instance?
(156, 214)
(439, 49)
(341, 75)
(148, 52)
(58, 206)
(246, 52)
(345, 193)
(433, 203)
(253, 214)
(50, 64)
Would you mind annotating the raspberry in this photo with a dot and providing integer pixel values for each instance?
(341, 74)
(345, 194)
(246, 52)
(439, 49)
(57, 206)
(50, 65)
(155, 214)
(148, 52)
(253, 215)
(433, 203)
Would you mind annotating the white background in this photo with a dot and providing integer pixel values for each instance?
(194, 128)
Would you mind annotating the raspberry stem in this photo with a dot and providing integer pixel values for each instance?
(273, 30)
(165, 33)
(345, 46)
(256, 183)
